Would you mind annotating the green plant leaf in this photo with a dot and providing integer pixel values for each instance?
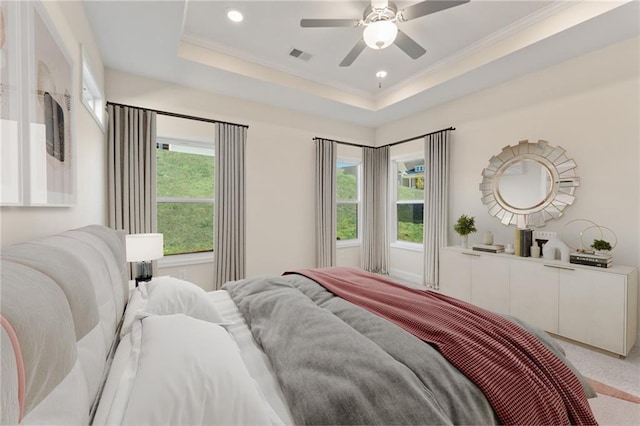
(465, 225)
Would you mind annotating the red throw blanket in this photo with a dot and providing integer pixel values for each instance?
(524, 382)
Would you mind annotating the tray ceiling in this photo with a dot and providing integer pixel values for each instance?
(469, 47)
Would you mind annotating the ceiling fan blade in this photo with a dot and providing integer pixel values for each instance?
(329, 23)
(354, 53)
(428, 7)
(409, 46)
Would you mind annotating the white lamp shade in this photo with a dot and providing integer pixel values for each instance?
(380, 34)
(144, 247)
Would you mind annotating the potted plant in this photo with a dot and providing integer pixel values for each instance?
(601, 247)
(465, 226)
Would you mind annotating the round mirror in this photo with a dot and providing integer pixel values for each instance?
(528, 184)
(525, 184)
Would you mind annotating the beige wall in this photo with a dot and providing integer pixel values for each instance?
(23, 223)
(585, 105)
(279, 164)
(589, 105)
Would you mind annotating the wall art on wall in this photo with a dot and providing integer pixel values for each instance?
(51, 150)
(41, 148)
(10, 153)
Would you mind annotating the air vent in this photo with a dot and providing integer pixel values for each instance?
(297, 53)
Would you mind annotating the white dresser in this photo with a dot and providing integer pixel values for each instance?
(596, 306)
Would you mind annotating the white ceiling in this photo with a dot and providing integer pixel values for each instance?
(469, 47)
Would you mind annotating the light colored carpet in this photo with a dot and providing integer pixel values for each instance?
(614, 411)
(623, 374)
(616, 380)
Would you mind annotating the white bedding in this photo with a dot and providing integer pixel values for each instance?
(110, 405)
(117, 404)
(254, 358)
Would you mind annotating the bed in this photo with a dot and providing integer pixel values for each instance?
(78, 347)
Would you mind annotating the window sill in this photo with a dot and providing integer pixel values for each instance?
(408, 246)
(98, 120)
(347, 244)
(185, 259)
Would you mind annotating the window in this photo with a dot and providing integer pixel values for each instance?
(409, 200)
(348, 200)
(92, 97)
(185, 195)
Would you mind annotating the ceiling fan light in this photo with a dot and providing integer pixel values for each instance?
(235, 15)
(380, 34)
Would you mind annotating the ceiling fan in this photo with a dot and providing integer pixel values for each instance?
(380, 21)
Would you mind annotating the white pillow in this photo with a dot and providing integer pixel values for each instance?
(185, 371)
(168, 296)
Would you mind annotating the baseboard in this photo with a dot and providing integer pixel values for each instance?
(406, 276)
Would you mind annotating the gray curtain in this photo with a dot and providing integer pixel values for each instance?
(229, 238)
(131, 141)
(436, 202)
(375, 244)
(325, 203)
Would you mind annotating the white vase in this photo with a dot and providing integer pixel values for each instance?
(535, 251)
(487, 238)
(464, 241)
(555, 249)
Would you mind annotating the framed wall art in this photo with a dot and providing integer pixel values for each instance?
(10, 114)
(42, 147)
(50, 103)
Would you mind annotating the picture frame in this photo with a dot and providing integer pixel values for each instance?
(42, 148)
(51, 110)
(10, 105)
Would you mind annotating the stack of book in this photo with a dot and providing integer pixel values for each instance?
(489, 248)
(591, 260)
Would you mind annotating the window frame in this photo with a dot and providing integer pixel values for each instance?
(183, 259)
(92, 95)
(393, 205)
(358, 202)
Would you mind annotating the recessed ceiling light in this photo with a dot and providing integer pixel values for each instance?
(235, 15)
(381, 74)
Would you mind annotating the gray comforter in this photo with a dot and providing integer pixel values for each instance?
(340, 364)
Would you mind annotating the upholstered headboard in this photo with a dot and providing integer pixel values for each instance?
(57, 331)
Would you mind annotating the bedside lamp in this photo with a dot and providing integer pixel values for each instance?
(142, 249)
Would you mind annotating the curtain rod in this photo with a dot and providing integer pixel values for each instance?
(173, 114)
(389, 144)
(417, 137)
(357, 145)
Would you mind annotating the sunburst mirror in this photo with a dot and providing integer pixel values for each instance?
(529, 183)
